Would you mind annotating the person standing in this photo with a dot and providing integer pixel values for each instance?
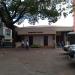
(22, 44)
(27, 44)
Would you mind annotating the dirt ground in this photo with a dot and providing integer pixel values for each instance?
(40, 61)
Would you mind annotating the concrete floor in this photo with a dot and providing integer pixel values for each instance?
(19, 61)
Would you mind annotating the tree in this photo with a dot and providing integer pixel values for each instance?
(12, 11)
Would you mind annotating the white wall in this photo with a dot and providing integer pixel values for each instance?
(7, 37)
(38, 40)
(51, 41)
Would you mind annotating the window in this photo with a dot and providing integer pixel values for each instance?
(8, 32)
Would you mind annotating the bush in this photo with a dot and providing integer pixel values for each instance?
(35, 46)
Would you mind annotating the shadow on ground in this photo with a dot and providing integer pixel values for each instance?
(72, 64)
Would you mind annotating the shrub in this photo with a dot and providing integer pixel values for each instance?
(35, 46)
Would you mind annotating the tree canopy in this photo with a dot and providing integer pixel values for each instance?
(12, 11)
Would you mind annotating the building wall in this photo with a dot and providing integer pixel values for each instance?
(38, 40)
(38, 34)
(7, 34)
(51, 41)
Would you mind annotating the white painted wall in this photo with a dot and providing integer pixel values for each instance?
(38, 40)
(51, 41)
(7, 37)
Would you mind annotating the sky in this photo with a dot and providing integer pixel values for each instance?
(61, 22)
(64, 22)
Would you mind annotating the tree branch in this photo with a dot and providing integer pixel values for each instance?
(8, 23)
(16, 9)
(6, 10)
(20, 16)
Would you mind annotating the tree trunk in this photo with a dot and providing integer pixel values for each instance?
(14, 37)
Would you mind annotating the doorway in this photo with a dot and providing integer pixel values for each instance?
(45, 40)
(30, 40)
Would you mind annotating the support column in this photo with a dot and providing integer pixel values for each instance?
(55, 41)
(65, 37)
(74, 15)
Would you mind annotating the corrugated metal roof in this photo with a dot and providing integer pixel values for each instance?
(36, 30)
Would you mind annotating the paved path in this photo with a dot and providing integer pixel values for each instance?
(35, 62)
